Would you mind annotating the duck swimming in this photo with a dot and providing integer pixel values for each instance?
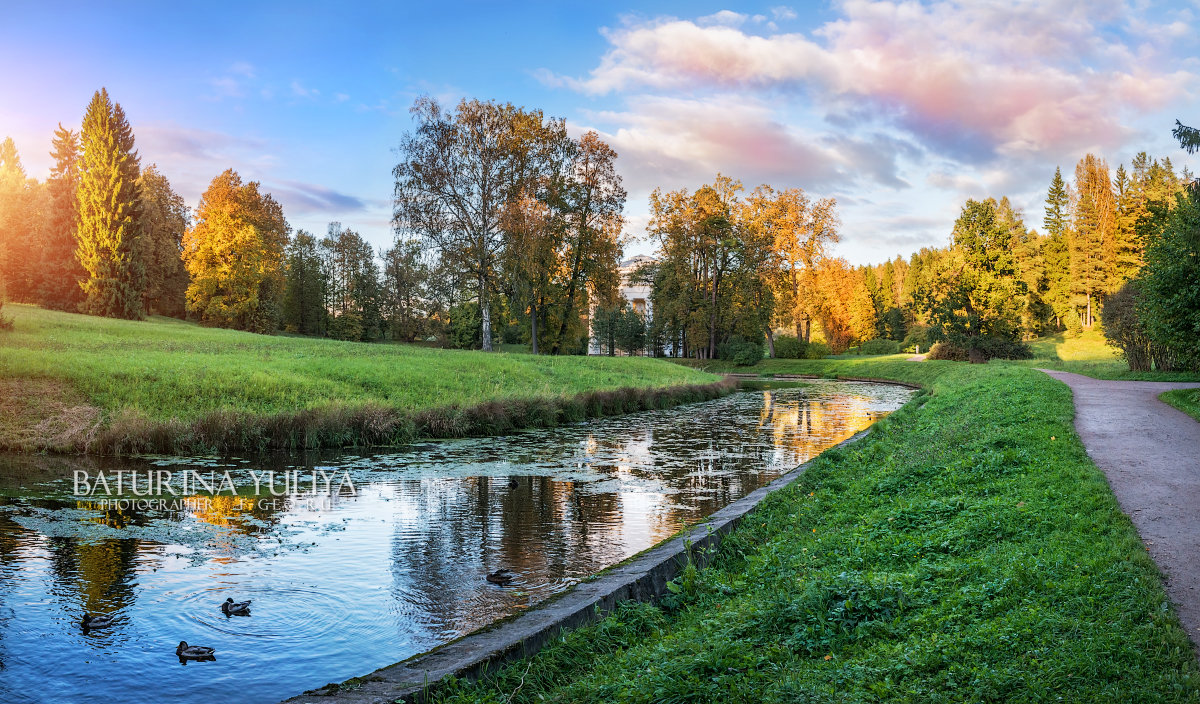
(235, 607)
(193, 652)
(96, 621)
(503, 577)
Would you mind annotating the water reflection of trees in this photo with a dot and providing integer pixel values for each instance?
(627, 484)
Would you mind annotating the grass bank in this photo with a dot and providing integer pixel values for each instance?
(967, 550)
(1186, 400)
(74, 383)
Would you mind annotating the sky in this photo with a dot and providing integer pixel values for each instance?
(899, 110)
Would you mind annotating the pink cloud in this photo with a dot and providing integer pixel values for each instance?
(673, 142)
(996, 77)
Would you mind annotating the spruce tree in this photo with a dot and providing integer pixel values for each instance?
(164, 220)
(61, 273)
(108, 232)
(1056, 205)
(1055, 251)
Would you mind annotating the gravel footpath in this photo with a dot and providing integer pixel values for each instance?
(1150, 453)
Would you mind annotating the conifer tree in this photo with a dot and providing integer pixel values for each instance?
(306, 288)
(59, 287)
(108, 230)
(1054, 252)
(1091, 235)
(164, 220)
(1189, 137)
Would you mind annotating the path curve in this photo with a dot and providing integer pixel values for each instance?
(1150, 453)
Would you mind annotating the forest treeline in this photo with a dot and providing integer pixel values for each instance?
(509, 230)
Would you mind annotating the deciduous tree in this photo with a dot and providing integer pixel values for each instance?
(234, 253)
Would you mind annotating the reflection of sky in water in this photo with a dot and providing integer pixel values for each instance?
(369, 579)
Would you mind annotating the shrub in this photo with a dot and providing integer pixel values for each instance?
(879, 346)
(918, 336)
(1002, 348)
(1073, 324)
(464, 331)
(347, 326)
(948, 352)
(817, 350)
(984, 348)
(1123, 329)
(741, 352)
(789, 347)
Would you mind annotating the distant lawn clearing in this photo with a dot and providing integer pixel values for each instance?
(161, 371)
(1087, 354)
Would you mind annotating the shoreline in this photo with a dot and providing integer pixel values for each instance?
(368, 425)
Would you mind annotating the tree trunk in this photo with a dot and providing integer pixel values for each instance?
(770, 343)
(485, 314)
(533, 323)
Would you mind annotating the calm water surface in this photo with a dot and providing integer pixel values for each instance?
(345, 585)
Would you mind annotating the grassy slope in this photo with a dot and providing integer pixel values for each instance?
(967, 550)
(1186, 400)
(163, 369)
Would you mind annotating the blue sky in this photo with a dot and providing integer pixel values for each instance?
(900, 110)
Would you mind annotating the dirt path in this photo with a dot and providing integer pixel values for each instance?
(1151, 455)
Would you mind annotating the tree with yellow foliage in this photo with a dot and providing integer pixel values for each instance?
(234, 254)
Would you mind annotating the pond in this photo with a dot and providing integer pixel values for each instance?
(387, 558)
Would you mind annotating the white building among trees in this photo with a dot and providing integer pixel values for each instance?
(636, 294)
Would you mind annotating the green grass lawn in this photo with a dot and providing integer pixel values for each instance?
(1086, 354)
(163, 369)
(1090, 355)
(1186, 400)
(966, 551)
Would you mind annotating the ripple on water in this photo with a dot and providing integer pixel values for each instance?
(276, 611)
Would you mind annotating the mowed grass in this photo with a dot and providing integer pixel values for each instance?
(163, 369)
(895, 367)
(1186, 400)
(966, 551)
(1089, 354)
(1086, 354)
(1088, 346)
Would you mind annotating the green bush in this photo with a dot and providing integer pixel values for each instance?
(987, 347)
(817, 350)
(948, 352)
(1073, 324)
(1001, 348)
(347, 326)
(879, 346)
(464, 331)
(918, 336)
(1124, 330)
(741, 352)
(789, 347)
